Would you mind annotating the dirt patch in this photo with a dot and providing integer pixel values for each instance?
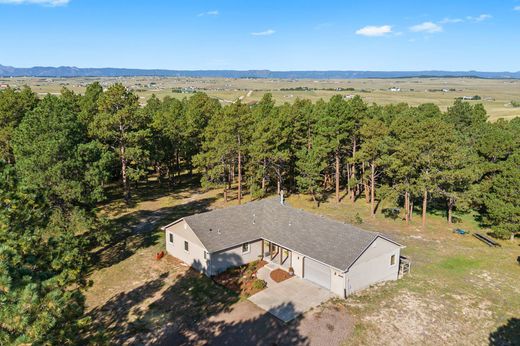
(279, 275)
(329, 324)
(417, 318)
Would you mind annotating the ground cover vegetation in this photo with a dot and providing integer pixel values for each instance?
(60, 154)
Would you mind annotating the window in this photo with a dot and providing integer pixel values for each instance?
(186, 246)
(205, 255)
(171, 238)
(392, 260)
(245, 248)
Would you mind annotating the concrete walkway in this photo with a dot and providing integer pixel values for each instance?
(264, 273)
(290, 298)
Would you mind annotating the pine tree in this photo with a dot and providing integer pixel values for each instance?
(13, 107)
(53, 154)
(375, 147)
(123, 128)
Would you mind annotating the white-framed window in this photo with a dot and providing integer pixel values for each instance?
(245, 248)
(170, 238)
(186, 246)
(392, 260)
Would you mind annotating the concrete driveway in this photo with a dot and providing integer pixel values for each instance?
(290, 298)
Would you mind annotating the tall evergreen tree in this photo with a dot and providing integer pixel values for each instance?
(53, 154)
(337, 125)
(13, 107)
(42, 267)
(124, 129)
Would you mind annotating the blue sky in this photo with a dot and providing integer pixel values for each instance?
(277, 35)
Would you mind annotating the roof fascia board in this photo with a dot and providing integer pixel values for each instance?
(163, 228)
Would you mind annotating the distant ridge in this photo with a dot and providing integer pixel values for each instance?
(70, 71)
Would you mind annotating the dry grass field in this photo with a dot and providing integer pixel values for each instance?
(496, 94)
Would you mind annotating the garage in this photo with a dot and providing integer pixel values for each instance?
(316, 272)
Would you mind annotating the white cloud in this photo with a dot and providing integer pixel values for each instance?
(373, 31)
(427, 27)
(451, 21)
(209, 13)
(516, 8)
(263, 33)
(51, 3)
(480, 18)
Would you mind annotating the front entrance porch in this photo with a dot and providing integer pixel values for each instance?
(276, 254)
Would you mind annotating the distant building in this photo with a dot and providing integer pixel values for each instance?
(4, 86)
(395, 89)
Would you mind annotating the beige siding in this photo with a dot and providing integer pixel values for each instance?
(195, 254)
(233, 257)
(297, 263)
(337, 282)
(373, 266)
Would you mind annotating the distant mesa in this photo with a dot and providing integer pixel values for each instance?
(71, 71)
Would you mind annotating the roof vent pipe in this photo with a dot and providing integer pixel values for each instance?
(281, 197)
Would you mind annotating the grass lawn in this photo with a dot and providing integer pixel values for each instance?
(459, 291)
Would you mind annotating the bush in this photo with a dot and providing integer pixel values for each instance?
(391, 213)
(259, 284)
(358, 219)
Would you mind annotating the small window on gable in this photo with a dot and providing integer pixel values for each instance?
(245, 248)
(171, 237)
(186, 246)
(392, 260)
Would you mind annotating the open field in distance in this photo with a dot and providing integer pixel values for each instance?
(496, 94)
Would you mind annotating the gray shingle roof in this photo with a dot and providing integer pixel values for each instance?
(323, 239)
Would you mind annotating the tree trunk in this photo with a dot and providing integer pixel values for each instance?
(424, 206)
(177, 163)
(126, 186)
(230, 178)
(233, 172)
(225, 195)
(337, 177)
(348, 179)
(239, 177)
(410, 202)
(366, 187)
(372, 189)
(278, 185)
(263, 176)
(450, 210)
(353, 190)
(406, 207)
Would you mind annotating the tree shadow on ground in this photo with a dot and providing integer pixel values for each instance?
(149, 190)
(137, 230)
(506, 335)
(185, 313)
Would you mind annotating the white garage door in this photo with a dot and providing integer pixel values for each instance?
(316, 272)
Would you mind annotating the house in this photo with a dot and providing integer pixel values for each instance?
(332, 254)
